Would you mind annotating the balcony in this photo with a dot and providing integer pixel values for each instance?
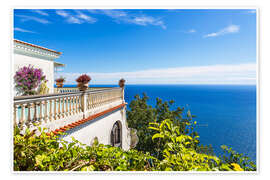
(65, 106)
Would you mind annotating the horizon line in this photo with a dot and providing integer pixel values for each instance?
(167, 84)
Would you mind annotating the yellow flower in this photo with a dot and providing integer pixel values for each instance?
(236, 167)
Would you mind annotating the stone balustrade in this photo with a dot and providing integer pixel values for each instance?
(75, 89)
(55, 110)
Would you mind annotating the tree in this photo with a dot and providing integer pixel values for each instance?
(141, 114)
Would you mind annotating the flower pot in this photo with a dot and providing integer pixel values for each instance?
(82, 86)
(59, 84)
(121, 83)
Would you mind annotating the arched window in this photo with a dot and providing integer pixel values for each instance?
(116, 135)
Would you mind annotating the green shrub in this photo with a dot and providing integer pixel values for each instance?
(50, 153)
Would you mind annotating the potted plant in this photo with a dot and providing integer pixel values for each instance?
(121, 82)
(60, 82)
(83, 81)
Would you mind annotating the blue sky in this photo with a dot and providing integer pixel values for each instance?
(147, 46)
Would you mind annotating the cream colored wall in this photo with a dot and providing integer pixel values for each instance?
(101, 128)
(47, 66)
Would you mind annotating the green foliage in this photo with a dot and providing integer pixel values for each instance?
(43, 89)
(232, 157)
(179, 152)
(50, 153)
(141, 114)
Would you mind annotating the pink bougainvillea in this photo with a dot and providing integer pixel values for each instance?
(27, 79)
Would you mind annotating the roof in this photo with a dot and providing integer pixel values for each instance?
(36, 46)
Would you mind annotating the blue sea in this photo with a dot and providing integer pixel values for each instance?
(226, 114)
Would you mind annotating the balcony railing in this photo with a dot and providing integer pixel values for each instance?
(53, 110)
(75, 89)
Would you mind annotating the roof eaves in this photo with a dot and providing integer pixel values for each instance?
(40, 47)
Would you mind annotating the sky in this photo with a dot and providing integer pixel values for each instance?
(146, 46)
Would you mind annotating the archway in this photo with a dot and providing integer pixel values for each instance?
(116, 134)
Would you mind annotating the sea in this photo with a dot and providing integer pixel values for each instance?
(225, 114)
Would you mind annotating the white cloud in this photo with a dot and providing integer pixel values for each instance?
(227, 30)
(132, 18)
(146, 20)
(25, 18)
(190, 31)
(78, 18)
(40, 12)
(113, 13)
(62, 13)
(74, 20)
(213, 74)
(23, 30)
(85, 17)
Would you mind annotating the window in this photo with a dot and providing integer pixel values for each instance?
(116, 135)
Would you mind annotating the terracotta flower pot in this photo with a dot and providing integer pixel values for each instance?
(82, 86)
(121, 83)
(59, 84)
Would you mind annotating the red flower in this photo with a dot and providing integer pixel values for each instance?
(83, 78)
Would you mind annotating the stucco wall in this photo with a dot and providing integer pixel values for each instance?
(47, 67)
(101, 128)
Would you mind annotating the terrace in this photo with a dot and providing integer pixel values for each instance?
(65, 106)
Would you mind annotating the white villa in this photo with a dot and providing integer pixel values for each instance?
(86, 115)
(40, 57)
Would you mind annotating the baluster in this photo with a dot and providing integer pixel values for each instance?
(87, 101)
(63, 107)
(51, 113)
(78, 104)
(45, 111)
(35, 112)
(21, 122)
(94, 100)
(29, 122)
(97, 105)
(67, 112)
(40, 112)
(98, 97)
(55, 109)
(101, 99)
(59, 110)
(73, 104)
(70, 109)
(91, 101)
